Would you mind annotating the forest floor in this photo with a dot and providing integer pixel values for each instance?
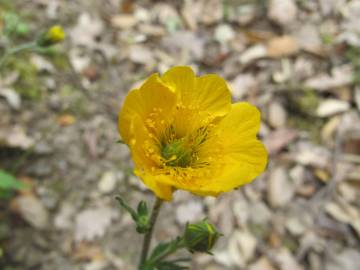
(298, 61)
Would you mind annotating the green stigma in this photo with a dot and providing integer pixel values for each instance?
(176, 153)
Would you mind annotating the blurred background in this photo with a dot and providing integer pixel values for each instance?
(298, 61)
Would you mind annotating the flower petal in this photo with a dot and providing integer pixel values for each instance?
(213, 94)
(144, 162)
(153, 94)
(208, 93)
(244, 157)
(162, 191)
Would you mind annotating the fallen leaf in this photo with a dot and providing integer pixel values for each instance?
(278, 139)
(87, 252)
(224, 33)
(94, 222)
(340, 76)
(41, 64)
(347, 259)
(331, 107)
(282, 12)
(310, 154)
(282, 46)
(253, 53)
(32, 210)
(242, 85)
(15, 137)
(11, 96)
(66, 120)
(189, 212)
(107, 182)
(286, 260)
(280, 188)
(64, 218)
(277, 115)
(123, 21)
(87, 30)
(261, 264)
(141, 55)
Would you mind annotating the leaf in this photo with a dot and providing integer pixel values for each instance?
(9, 182)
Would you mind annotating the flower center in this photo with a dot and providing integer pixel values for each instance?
(177, 153)
(182, 152)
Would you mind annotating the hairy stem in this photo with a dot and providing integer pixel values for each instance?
(8, 52)
(148, 235)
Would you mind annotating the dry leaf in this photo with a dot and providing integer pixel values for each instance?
(282, 47)
(279, 139)
(282, 12)
(92, 223)
(32, 210)
(330, 107)
(66, 120)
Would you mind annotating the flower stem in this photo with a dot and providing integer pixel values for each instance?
(148, 235)
(25, 46)
(179, 245)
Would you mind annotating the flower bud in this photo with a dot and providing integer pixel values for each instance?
(53, 35)
(200, 237)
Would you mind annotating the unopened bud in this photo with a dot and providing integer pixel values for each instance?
(200, 237)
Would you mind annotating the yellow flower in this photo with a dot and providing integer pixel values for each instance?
(56, 33)
(53, 35)
(184, 133)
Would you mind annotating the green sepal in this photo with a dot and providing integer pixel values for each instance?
(142, 209)
(200, 236)
(140, 217)
(128, 208)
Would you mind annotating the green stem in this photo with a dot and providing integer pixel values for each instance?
(25, 46)
(148, 235)
(180, 245)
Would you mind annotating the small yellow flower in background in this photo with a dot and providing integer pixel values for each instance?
(56, 33)
(184, 133)
(53, 35)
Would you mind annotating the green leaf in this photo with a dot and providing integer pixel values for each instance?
(14, 25)
(9, 182)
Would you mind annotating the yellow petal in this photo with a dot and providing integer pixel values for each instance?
(144, 163)
(213, 94)
(162, 191)
(244, 157)
(208, 93)
(153, 94)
